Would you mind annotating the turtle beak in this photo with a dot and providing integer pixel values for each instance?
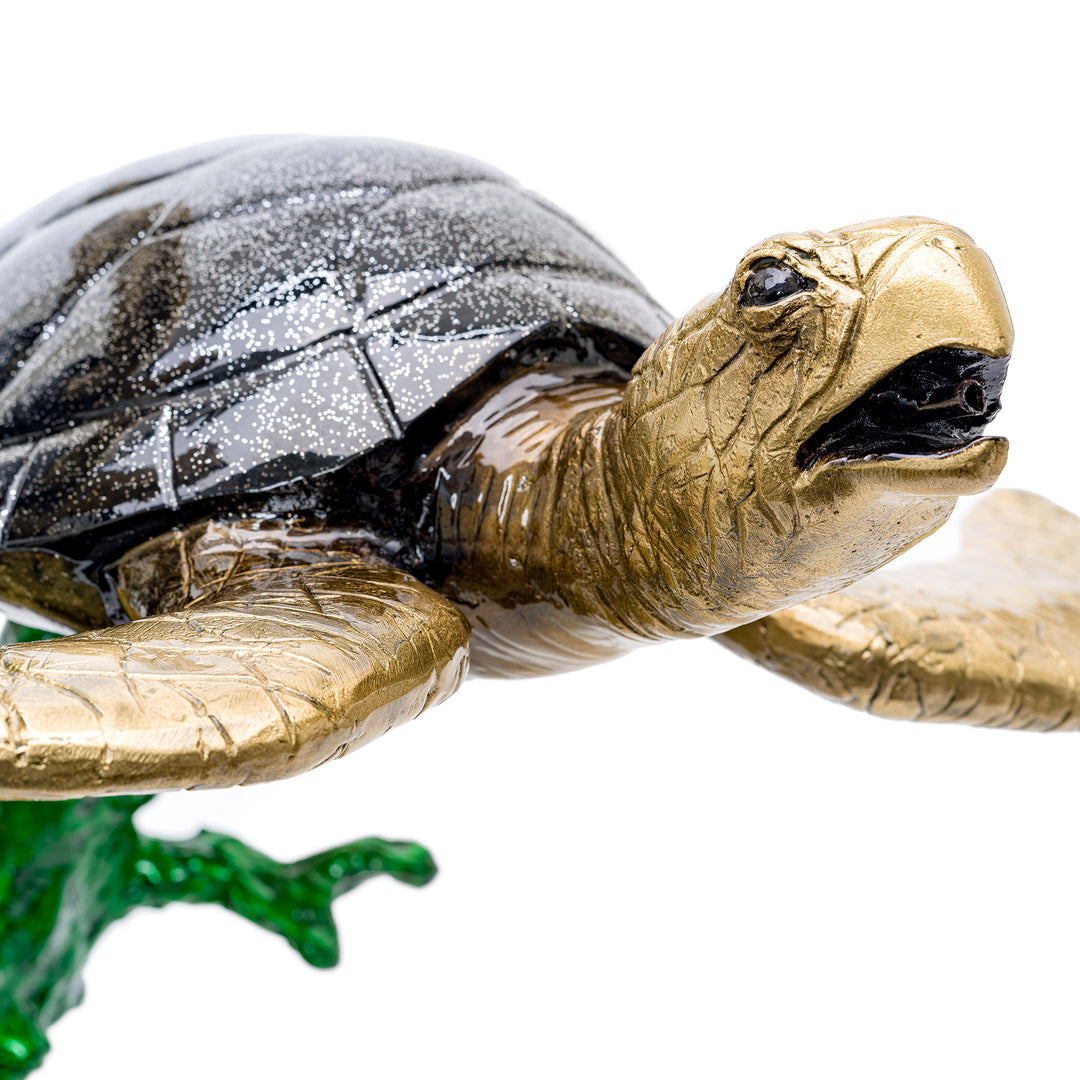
(931, 289)
(926, 363)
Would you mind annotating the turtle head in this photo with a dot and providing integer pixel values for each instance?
(820, 415)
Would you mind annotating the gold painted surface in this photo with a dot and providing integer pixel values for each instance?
(275, 668)
(197, 562)
(990, 637)
(573, 530)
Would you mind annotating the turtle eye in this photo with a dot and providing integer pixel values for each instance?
(771, 280)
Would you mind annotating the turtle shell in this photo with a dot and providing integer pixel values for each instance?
(228, 319)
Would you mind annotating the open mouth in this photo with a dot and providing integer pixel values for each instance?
(933, 403)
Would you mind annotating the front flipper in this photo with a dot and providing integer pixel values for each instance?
(285, 658)
(990, 637)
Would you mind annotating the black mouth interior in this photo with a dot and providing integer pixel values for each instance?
(937, 401)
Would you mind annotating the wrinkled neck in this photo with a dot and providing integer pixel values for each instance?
(602, 551)
(537, 536)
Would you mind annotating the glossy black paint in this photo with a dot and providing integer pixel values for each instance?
(283, 320)
(937, 401)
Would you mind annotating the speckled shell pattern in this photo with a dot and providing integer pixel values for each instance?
(229, 318)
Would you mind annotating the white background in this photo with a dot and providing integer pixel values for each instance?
(673, 865)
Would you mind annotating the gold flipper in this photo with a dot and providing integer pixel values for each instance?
(990, 637)
(276, 663)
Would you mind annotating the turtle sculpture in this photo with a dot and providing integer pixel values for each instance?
(297, 429)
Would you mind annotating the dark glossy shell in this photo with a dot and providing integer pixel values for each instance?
(233, 317)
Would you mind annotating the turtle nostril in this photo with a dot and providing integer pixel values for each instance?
(967, 397)
(970, 396)
(945, 242)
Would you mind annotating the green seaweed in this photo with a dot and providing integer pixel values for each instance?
(69, 869)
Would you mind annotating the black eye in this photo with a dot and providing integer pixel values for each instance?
(769, 281)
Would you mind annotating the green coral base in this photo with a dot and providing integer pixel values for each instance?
(69, 869)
